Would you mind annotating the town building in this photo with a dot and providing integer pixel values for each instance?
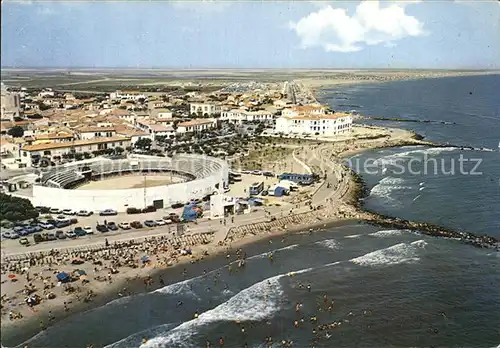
(90, 132)
(242, 116)
(11, 105)
(32, 153)
(204, 109)
(304, 110)
(321, 124)
(127, 96)
(198, 125)
(155, 129)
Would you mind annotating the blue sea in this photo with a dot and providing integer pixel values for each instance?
(390, 288)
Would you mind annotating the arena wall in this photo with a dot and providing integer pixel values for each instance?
(121, 199)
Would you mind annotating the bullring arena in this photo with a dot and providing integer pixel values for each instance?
(137, 182)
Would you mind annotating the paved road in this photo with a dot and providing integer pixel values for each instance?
(319, 156)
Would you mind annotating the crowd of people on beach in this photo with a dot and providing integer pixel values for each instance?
(33, 281)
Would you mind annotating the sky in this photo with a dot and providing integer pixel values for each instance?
(252, 34)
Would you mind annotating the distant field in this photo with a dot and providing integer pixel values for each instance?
(109, 80)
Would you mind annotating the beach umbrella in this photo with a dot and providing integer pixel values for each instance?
(145, 259)
(79, 272)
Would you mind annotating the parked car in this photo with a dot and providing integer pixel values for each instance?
(36, 227)
(108, 212)
(43, 210)
(7, 234)
(84, 213)
(70, 234)
(173, 217)
(60, 235)
(136, 224)
(31, 229)
(37, 237)
(68, 212)
(112, 226)
(124, 225)
(268, 174)
(101, 228)
(73, 221)
(24, 241)
(149, 223)
(177, 205)
(88, 230)
(54, 211)
(22, 232)
(46, 226)
(160, 222)
(149, 209)
(51, 236)
(18, 229)
(61, 218)
(132, 210)
(61, 224)
(79, 231)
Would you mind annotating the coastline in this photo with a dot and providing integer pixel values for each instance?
(351, 208)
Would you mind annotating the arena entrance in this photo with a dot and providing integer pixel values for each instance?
(158, 204)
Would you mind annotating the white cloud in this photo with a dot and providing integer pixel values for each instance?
(335, 30)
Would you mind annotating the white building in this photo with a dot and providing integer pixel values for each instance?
(205, 109)
(127, 96)
(242, 116)
(155, 129)
(46, 93)
(304, 110)
(325, 125)
(96, 132)
(198, 125)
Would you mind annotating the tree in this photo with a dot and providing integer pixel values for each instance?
(87, 155)
(16, 209)
(143, 143)
(78, 156)
(42, 106)
(16, 132)
(119, 150)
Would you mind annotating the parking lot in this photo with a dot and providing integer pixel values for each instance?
(90, 225)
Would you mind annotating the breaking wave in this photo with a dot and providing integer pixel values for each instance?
(263, 255)
(258, 302)
(387, 233)
(386, 186)
(329, 243)
(416, 150)
(394, 255)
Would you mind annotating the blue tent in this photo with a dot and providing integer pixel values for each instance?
(189, 213)
(279, 191)
(63, 277)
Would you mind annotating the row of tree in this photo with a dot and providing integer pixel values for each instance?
(16, 209)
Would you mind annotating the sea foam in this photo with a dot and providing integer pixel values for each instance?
(329, 243)
(255, 303)
(396, 254)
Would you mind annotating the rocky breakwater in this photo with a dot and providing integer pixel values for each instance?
(360, 191)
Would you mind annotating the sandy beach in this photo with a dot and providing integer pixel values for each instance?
(124, 268)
